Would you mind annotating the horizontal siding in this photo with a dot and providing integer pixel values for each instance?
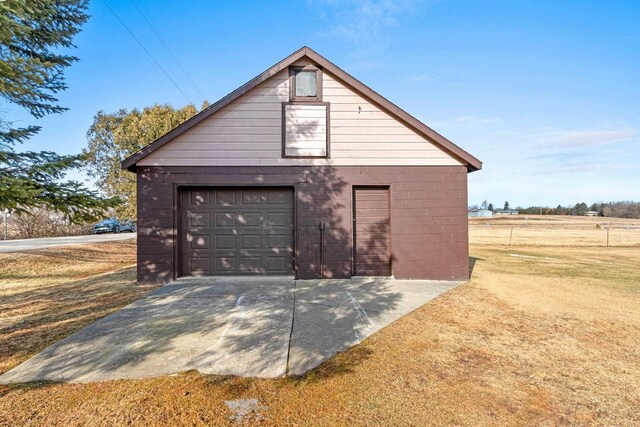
(278, 161)
(387, 141)
(225, 154)
(248, 132)
(356, 146)
(218, 130)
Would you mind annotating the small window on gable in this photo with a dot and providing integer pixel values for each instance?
(305, 83)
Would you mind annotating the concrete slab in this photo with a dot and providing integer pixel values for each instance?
(333, 315)
(229, 326)
(238, 328)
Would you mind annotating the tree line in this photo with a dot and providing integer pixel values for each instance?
(620, 209)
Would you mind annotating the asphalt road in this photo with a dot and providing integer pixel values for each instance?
(29, 244)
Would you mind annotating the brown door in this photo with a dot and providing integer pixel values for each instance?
(372, 243)
(232, 231)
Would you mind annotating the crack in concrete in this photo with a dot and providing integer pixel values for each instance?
(293, 319)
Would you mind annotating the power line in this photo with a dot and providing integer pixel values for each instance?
(148, 53)
(168, 50)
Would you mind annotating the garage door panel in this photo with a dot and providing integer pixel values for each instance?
(251, 241)
(251, 265)
(225, 197)
(198, 198)
(237, 231)
(278, 219)
(251, 197)
(278, 198)
(225, 242)
(198, 219)
(277, 264)
(199, 265)
(249, 219)
(225, 264)
(225, 219)
(279, 241)
(199, 241)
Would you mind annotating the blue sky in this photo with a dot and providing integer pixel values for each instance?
(545, 93)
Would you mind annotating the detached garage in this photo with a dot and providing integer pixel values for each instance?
(302, 171)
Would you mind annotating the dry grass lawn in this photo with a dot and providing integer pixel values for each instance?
(539, 336)
(50, 293)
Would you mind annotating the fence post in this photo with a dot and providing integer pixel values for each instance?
(607, 236)
(510, 236)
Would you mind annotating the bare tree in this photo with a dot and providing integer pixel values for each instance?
(43, 223)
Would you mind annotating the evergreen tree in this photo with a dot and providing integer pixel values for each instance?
(31, 74)
(490, 207)
(506, 206)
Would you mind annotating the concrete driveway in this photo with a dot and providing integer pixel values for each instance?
(19, 245)
(254, 327)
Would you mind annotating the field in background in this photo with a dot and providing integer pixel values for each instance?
(551, 230)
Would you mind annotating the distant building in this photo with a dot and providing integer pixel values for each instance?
(505, 212)
(591, 213)
(480, 213)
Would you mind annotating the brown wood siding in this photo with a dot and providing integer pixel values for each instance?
(371, 236)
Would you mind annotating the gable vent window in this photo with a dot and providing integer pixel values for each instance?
(305, 84)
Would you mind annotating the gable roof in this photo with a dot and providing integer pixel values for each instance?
(449, 147)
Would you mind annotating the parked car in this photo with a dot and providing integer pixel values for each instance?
(128, 226)
(109, 225)
(112, 225)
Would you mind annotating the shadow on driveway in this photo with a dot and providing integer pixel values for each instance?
(229, 326)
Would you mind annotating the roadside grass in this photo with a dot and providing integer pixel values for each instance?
(539, 336)
(50, 293)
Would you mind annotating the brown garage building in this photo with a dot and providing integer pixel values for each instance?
(302, 171)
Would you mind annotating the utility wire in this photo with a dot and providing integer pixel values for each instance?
(169, 50)
(148, 53)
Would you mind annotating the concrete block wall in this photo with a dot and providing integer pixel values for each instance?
(429, 233)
